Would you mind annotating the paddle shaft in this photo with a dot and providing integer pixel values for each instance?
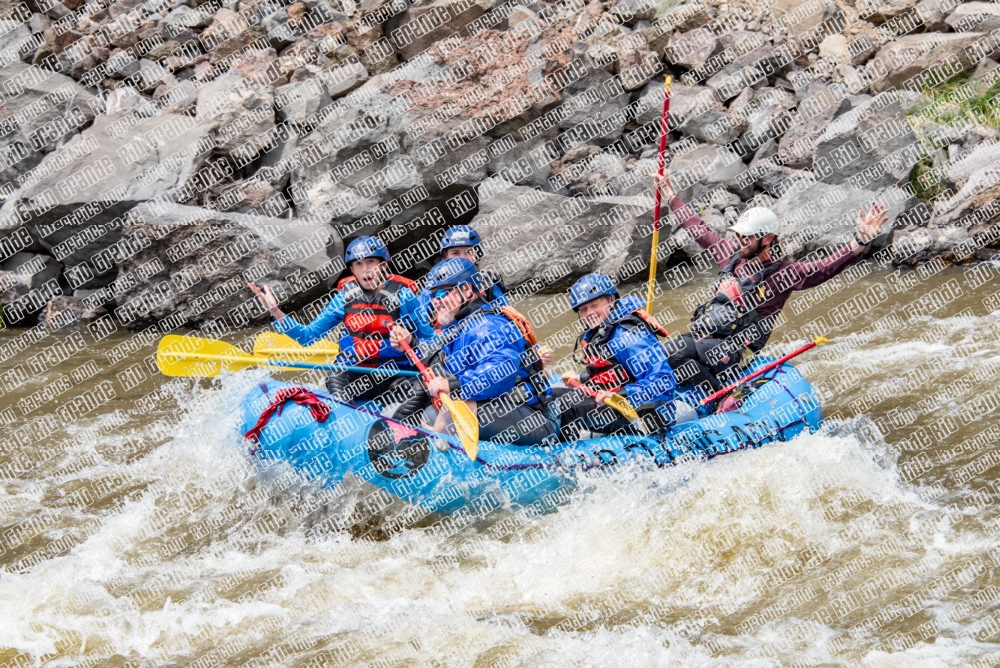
(339, 367)
(764, 369)
(425, 373)
(657, 198)
(590, 392)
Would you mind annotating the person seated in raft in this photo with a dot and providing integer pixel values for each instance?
(370, 302)
(490, 361)
(621, 353)
(754, 284)
(463, 241)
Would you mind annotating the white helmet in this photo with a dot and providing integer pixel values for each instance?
(756, 221)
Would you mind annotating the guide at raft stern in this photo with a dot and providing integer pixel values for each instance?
(754, 283)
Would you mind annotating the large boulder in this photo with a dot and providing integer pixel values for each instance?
(800, 17)
(698, 172)
(103, 173)
(872, 146)
(974, 17)
(692, 49)
(39, 109)
(240, 110)
(816, 110)
(926, 58)
(973, 176)
(824, 216)
(529, 234)
(195, 262)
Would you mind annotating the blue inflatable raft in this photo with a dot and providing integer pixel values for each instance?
(439, 476)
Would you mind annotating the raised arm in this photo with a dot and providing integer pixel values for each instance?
(722, 249)
(805, 275)
(331, 316)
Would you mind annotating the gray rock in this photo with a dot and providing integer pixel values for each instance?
(297, 102)
(692, 49)
(158, 157)
(298, 258)
(878, 12)
(983, 157)
(31, 269)
(45, 103)
(578, 235)
(630, 12)
(65, 312)
(871, 146)
(824, 215)
(974, 17)
(686, 103)
(128, 100)
(696, 173)
(27, 282)
(816, 110)
(408, 30)
(972, 175)
(799, 17)
(769, 104)
(520, 166)
(912, 56)
(914, 245)
(597, 80)
(342, 80)
(240, 110)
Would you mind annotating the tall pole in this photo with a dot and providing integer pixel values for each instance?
(664, 119)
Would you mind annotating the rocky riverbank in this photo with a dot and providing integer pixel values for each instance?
(158, 154)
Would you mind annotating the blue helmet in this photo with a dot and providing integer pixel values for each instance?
(589, 288)
(453, 271)
(363, 247)
(458, 236)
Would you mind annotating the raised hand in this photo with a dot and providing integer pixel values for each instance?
(869, 225)
(267, 298)
(397, 334)
(662, 181)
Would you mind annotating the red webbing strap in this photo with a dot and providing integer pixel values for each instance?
(300, 395)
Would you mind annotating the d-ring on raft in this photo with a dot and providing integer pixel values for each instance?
(440, 477)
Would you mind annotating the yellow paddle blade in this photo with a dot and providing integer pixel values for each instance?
(190, 356)
(465, 423)
(622, 405)
(283, 347)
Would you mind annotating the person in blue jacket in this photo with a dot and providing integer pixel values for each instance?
(621, 353)
(490, 361)
(370, 303)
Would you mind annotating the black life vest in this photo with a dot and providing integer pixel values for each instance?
(723, 317)
(603, 370)
(368, 319)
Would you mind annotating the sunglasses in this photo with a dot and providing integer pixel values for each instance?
(441, 293)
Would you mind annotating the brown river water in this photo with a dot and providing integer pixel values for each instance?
(135, 530)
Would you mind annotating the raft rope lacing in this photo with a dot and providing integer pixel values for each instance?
(300, 395)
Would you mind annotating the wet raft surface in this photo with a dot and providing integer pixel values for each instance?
(139, 530)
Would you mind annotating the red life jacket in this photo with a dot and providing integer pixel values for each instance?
(604, 371)
(368, 319)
